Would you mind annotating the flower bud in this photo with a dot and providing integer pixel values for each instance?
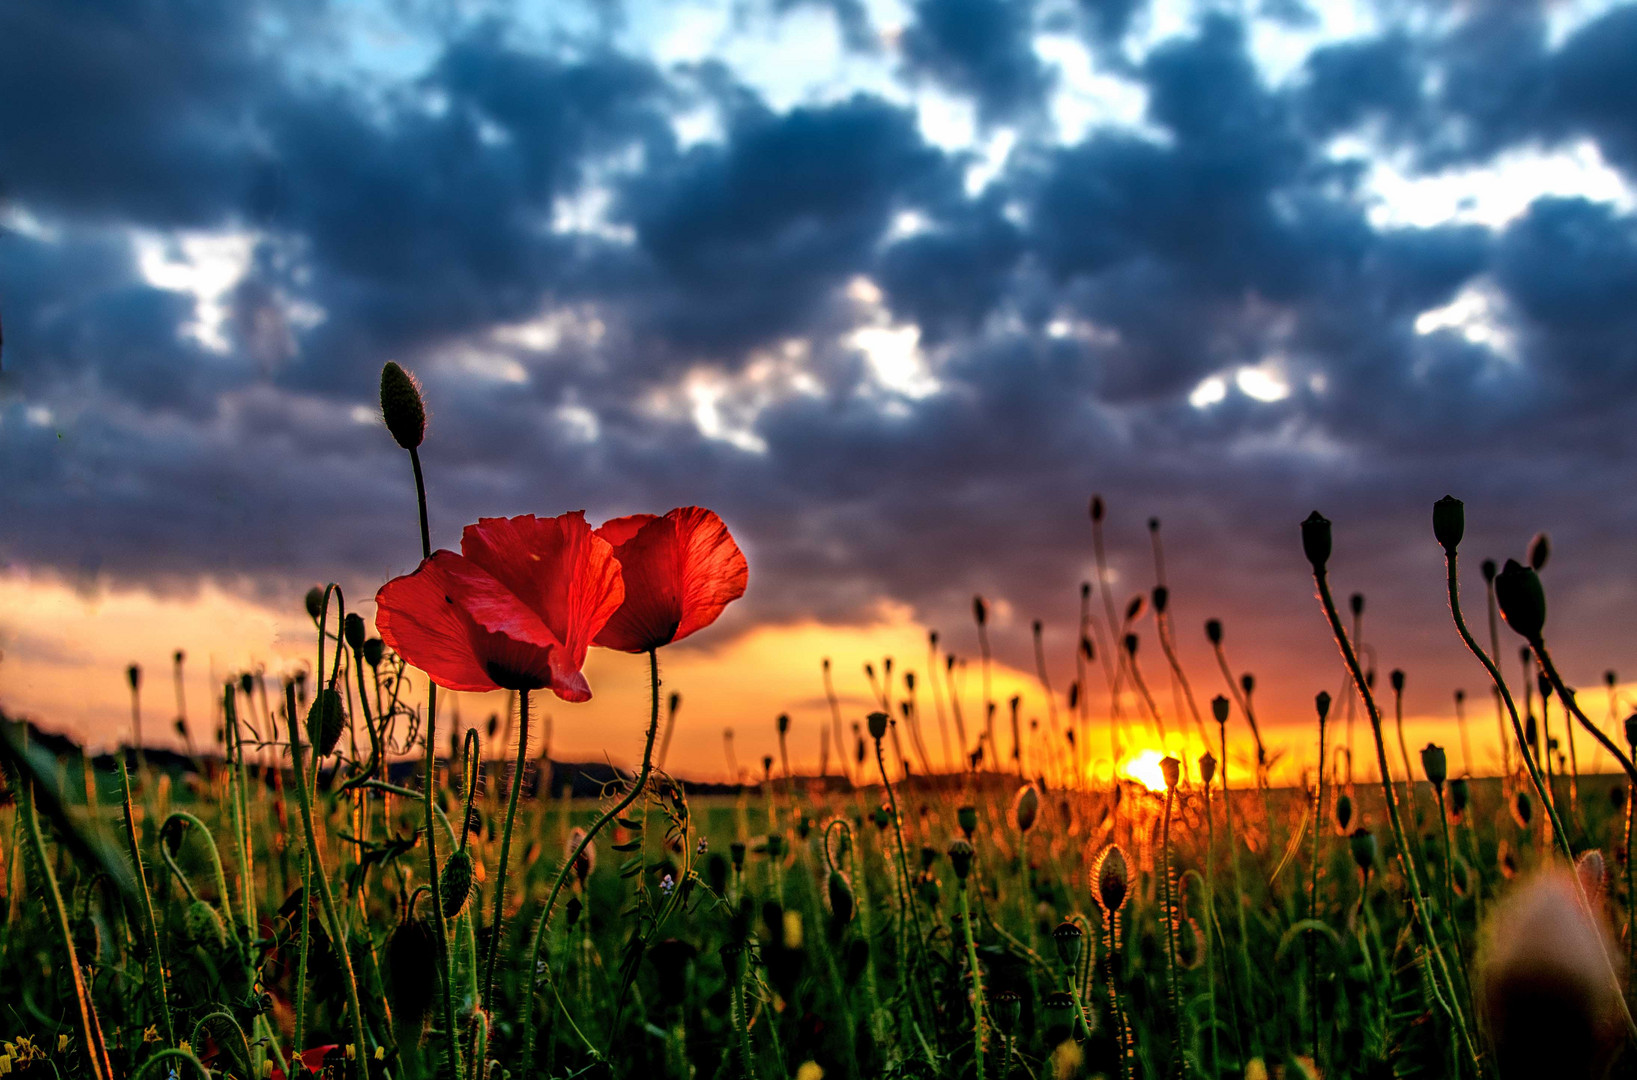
(1160, 598)
(980, 610)
(1213, 631)
(1219, 709)
(1434, 764)
(1459, 795)
(960, 859)
(352, 628)
(1171, 770)
(1540, 549)
(1130, 643)
(455, 884)
(1344, 811)
(1067, 939)
(1487, 568)
(1025, 808)
(783, 723)
(1322, 703)
(1523, 809)
(1522, 600)
(1316, 540)
(402, 407)
(1111, 880)
(1363, 846)
(314, 602)
(326, 718)
(1355, 604)
(1207, 767)
(374, 651)
(1134, 609)
(736, 851)
(1448, 523)
(1396, 677)
(840, 892)
(878, 725)
(967, 818)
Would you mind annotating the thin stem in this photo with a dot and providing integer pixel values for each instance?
(977, 981)
(495, 931)
(155, 956)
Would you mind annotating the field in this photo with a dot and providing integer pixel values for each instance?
(335, 887)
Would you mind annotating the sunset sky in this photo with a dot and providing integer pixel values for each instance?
(894, 287)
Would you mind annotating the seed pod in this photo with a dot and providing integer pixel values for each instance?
(1134, 608)
(1207, 767)
(1396, 678)
(1171, 770)
(1008, 1009)
(1523, 809)
(1344, 811)
(967, 818)
(960, 859)
(1363, 846)
(326, 719)
(455, 884)
(783, 723)
(775, 846)
(374, 650)
(1448, 522)
(1130, 641)
(1219, 709)
(1025, 808)
(980, 610)
(352, 628)
(1540, 549)
(737, 851)
(1161, 598)
(1321, 702)
(402, 407)
(1316, 539)
(878, 722)
(1067, 939)
(1521, 599)
(1213, 631)
(840, 892)
(1459, 794)
(1111, 880)
(1434, 764)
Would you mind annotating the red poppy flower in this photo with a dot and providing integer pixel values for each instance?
(516, 610)
(680, 571)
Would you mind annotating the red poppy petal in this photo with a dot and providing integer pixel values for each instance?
(714, 570)
(562, 571)
(414, 617)
(653, 590)
(621, 529)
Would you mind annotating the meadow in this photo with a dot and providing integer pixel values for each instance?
(335, 887)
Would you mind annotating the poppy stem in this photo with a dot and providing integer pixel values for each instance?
(420, 501)
(637, 787)
(506, 843)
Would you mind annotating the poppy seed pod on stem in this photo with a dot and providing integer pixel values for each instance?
(960, 859)
(1207, 767)
(967, 818)
(401, 406)
(352, 629)
(1171, 770)
(1362, 844)
(1459, 795)
(1434, 764)
(1097, 508)
(1448, 522)
(1025, 808)
(1161, 598)
(1321, 702)
(374, 652)
(1219, 709)
(1316, 539)
(980, 610)
(314, 602)
(1067, 939)
(1213, 631)
(1521, 599)
(1540, 549)
(1344, 811)
(1111, 880)
(878, 722)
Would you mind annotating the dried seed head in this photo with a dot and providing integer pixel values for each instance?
(1321, 702)
(783, 723)
(1025, 807)
(878, 722)
(1545, 990)
(1111, 880)
(960, 859)
(1171, 770)
(1521, 599)
(1448, 522)
(1219, 709)
(402, 407)
(1434, 764)
(1316, 540)
(1363, 846)
(1008, 1009)
(1067, 939)
(1213, 631)
(1207, 767)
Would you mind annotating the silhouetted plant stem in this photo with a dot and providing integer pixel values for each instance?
(977, 980)
(155, 956)
(495, 927)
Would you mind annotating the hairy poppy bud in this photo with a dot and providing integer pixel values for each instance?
(352, 628)
(1067, 939)
(878, 722)
(1025, 807)
(1344, 811)
(326, 718)
(314, 602)
(1097, 508)
(1434, 764)
(1321, 702)
(402, 407)
(1171, 769)
(1219, 709)
(455, 884)
(1540, 549)
(1207, 767)
(980, 610)
(967, 818)
(204, 926)
(1160, 597)
(374, 651)
(960, 859)
(1522, 600)
(1448, 522)
(1363, 846)
(1213, 631)
(1111, 880)
(1316, 539)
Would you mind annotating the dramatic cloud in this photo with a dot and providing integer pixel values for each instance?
(895, 320)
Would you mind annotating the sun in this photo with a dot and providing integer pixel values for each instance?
(1144, 768)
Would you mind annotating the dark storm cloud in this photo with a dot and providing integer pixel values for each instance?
(982, 49)
(1067, 309)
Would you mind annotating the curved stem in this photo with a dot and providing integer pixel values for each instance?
(637, 787)
(1566, 696)
(155, 956)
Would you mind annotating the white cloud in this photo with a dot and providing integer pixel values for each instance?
(205, 265)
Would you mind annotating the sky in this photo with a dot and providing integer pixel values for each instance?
(894, 287)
